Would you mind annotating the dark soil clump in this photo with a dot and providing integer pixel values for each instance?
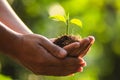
(65, 40)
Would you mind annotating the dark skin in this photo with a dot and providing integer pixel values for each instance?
(48, 63)
(40, 55)
(36, 52)
(80, 49)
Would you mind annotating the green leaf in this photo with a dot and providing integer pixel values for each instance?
(2, 77)
(58, 18)
(76, 22)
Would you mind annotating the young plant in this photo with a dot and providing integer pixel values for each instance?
(57, 13)
(67, 21)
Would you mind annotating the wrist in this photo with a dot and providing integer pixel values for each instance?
(10, 47)
(8, 40)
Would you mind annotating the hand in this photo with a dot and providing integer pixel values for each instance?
(80, 49)
(40, 56)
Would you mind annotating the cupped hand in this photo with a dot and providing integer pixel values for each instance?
(42, 57)
(81, 48)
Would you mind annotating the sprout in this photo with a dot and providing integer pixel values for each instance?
(60, 16)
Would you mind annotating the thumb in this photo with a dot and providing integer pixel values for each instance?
(52, 48)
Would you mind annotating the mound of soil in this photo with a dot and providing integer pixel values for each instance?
(65, 40)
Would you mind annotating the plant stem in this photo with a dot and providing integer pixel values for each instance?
(67, 27)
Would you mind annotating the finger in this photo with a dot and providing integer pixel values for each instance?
(52, 48)
(85, 49)
(76, 52)
(71, 61)
(81, 47)
(85, 45)
(92, 39)
(71, 48)
(73, 65)
(84, 52)
(83, 62)
(67, 66)
(59, 70)
(80, 69)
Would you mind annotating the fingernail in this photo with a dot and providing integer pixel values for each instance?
(92, 39)
(83, 64)
(80, 69)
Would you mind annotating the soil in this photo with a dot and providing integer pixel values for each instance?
(65, 40)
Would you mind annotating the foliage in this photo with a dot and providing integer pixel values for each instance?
(2, 77)
(76, 22)
(58, 18)
(61, 16)
(66, 21)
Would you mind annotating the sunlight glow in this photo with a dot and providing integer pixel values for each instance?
(56, 9)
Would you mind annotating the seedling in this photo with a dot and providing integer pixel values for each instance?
(67, 21)
(57, 13)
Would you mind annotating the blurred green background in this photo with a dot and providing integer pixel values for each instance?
(100, 18)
